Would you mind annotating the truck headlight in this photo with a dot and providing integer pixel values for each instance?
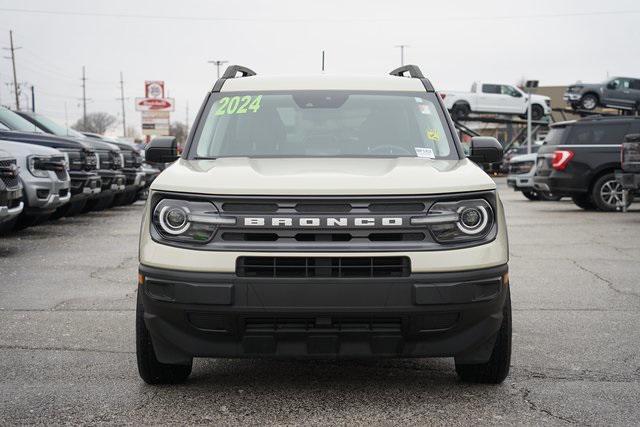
(32, 165)
(187, 221)
(458, 221)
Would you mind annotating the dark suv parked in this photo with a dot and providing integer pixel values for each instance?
(110, 159)
(618, 92)
(579, 159)
(85, 183)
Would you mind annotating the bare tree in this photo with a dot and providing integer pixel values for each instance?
(96, 122)
(179, 130)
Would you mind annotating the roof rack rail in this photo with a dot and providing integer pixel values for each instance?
(413, 72)
(232, 73)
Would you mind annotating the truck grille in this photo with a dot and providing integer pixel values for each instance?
(106, 161)
(318, 267)
(7, 175)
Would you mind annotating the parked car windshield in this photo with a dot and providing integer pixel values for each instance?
(324, 124)
(14, 122)
(56, 128)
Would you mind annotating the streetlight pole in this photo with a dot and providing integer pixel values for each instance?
(218, 63)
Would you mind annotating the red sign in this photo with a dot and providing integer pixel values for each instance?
(154, 104)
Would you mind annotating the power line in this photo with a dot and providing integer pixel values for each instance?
(306, 20)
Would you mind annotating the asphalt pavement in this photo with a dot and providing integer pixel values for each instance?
(67, 300)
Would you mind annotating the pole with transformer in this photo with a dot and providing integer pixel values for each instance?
(124, 118)
(84, 99)
(530, 84)
(12, 49)
(218, 63)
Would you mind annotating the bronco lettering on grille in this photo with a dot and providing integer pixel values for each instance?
(323, 222)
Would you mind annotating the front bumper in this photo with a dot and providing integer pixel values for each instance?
(571, 97)
(84, 185)
(134, 179)
(45, 194)
(112, 181)
(11, 204)
(424, 315)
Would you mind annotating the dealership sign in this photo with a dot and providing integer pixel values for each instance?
(154, 104)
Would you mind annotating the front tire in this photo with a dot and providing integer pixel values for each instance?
(531, 195)
(549, 197)
(149, 368)
(537, 112)
(607, 193)
(460, 111)
(497, 368)
(588, 101)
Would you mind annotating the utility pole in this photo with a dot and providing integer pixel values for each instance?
(402, 47)
(124, 119)
(84, 99)
(323, 61)
(218, 64)
(33, 99)
(13, 49)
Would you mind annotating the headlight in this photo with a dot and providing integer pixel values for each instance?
(187, 221)
(32, 165)
(121, 161)
(459, 221)
(67, 163)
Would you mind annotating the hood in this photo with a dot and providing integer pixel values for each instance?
(323, 176)
(539, 98)
(19, 149)
(43, 139)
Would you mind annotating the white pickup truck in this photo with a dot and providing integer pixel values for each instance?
(495, 98)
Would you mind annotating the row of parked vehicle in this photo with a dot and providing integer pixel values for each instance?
(48, 171)
(583, 159)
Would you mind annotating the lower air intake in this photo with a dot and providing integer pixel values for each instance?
(318, 267)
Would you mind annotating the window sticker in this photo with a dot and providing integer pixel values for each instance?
(238, 105)
(425, 152)
(433, 134)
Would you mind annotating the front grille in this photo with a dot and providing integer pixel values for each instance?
(106, 161)
(319, 267)
(129, 160)
(332, 325)
(10, 179)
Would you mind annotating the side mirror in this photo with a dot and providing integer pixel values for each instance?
(163, 149)
(485, 149)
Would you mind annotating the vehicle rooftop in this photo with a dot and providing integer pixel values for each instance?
(323, 82)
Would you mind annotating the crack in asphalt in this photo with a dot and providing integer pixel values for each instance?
(535, 407)
(582, 375)
(82, 350)
(96, 274)
(607, 282)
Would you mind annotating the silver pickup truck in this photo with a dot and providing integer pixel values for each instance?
(43, 174)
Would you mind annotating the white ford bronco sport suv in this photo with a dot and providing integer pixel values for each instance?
(323, 217)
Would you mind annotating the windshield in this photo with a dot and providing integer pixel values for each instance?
(15, 122)
(323, 124)
(57, 129)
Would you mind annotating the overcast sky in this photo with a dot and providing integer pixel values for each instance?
(454, 42)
